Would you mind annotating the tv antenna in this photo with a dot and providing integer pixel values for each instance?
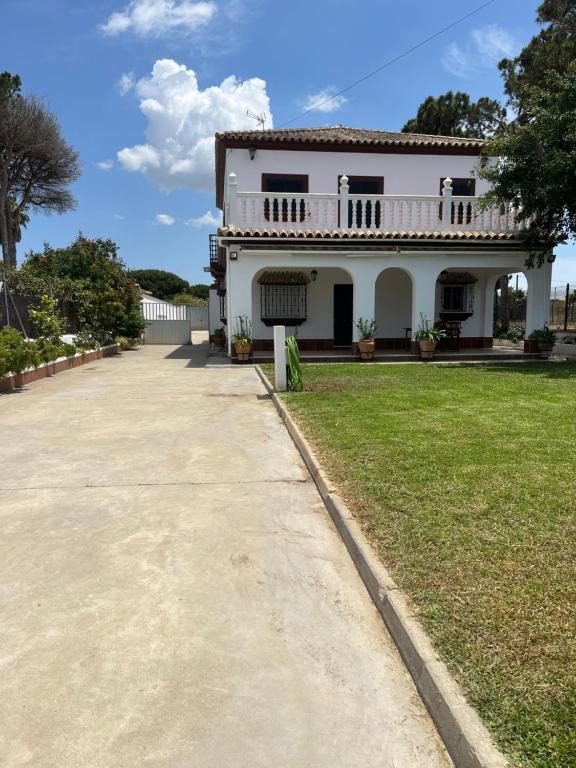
(260, 119)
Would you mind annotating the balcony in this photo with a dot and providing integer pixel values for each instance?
(389, 213)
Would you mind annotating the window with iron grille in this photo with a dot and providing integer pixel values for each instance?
(456, 295)
(457, 298)
(283, 298)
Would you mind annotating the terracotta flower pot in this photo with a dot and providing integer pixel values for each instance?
(366, 347)
(219, 341)
(545, 348)
(427, 348)
(243, 351)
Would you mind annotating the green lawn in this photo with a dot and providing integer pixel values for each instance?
(464, 479)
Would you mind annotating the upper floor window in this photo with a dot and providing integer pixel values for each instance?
(372, 211)
(287, 209)
(461, 211)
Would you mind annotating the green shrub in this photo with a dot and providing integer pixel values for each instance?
(17, 352)
(295, 377)
(46, 322)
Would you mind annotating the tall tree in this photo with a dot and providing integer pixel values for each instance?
(162, 284)
(551, 50)
(36, 164)
(454, 114)
(536, 167)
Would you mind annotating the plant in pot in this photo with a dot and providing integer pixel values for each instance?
(428, 337)
(546, 338)
(366, 345)
(219, 338)
(243, 339)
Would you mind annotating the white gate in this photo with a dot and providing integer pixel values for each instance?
(167, 323)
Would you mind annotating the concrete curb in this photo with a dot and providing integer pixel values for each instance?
(464, 735)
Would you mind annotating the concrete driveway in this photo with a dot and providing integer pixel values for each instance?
(172, 592)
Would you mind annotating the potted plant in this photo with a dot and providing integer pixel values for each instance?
(366, 344)
(219, 338)
(428, 337)
(545, 338)
(243, 339)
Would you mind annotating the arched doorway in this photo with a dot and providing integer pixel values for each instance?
(393, 308)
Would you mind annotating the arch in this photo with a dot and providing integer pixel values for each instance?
(393, 301)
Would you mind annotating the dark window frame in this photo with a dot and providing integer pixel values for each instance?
(377, 212)
(281, 210)
(292, 176)
(464, 213)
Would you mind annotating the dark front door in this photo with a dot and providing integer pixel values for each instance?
(343, 311)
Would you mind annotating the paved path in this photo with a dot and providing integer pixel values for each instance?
(172, 592)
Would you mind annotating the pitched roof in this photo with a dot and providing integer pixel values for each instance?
(361, 234)
(341, 134)
(338, 138)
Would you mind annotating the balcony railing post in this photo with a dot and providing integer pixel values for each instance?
(447, 204)
(231, 218)
(344, 187)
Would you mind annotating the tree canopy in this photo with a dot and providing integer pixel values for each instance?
(550, 51)
(162, 284)
(536, 170)
(36, 165)
(455, 114)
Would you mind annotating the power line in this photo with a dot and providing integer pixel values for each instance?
(390, 62)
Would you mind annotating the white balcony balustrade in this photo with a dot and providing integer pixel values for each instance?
(391, 213)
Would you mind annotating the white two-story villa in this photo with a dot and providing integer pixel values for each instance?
(323, 226)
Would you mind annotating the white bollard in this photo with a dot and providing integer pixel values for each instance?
(280, 358)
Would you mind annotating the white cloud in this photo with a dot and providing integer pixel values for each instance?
(105, 165)
(165, 219)
(324, 101)
(182, 121)
(207, 219)
(494, 43)
(487, 46)
(126, 83)
(156, 18)
(119, 216)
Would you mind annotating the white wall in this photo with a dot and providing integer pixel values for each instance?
(213, 311)
(320, 306)
(403, 174)
(365, 268)
(393, 304)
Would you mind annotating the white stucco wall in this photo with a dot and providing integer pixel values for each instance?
(393, 303)
(365, 268)
(320, 305)
(213, 311)
(403, 174)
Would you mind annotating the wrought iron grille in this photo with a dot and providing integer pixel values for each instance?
(457, 298)
(282, 304)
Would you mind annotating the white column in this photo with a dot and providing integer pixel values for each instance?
(538, 299)
(424, 296)
(238, 292)
(280, 383)
(344, 187)
(447, 204)
(364, 298)
(232, 207)
(490, 287)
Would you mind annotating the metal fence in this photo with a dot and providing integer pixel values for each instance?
(18, 313)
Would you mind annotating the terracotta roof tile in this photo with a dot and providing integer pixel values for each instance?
(340, 134)
(362, 234)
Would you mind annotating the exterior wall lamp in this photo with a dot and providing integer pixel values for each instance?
(252, 150)
(314, 275)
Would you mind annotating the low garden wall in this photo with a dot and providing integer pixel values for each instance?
(14, 381)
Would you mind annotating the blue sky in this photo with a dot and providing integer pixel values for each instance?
(140, 87)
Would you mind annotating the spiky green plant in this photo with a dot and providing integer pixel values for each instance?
(295, 377)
